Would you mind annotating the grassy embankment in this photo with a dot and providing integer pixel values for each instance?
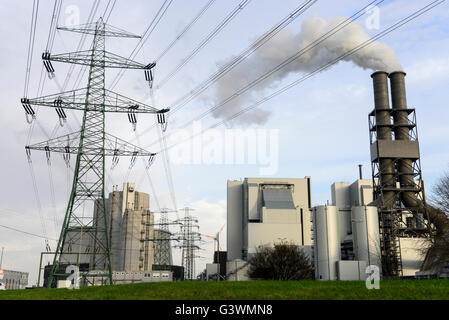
(252, 290)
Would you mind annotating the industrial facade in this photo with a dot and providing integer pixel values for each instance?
(264, 211)
(133, 239)
(346, 230)
(131, 225)
(341, 238)
(384, 221)
(14, 280)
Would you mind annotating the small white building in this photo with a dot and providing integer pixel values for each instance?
(14, 280)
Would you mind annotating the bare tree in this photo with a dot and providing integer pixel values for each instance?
(438, 254)
(440, 196)
(284, 261)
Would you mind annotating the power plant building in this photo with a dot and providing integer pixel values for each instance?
(383, 221)
(264, 211)
(342, 238)
(130, 222)
(267, 211)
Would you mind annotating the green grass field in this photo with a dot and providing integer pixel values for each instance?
(252, 290)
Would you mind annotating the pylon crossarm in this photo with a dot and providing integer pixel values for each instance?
(111, 60)
(108, 31)
(76, 100)
(69, 143)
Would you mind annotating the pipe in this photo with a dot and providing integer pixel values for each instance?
(401, 132)
(383, 122)
(360, 172)
(382, 104)
(405, 169)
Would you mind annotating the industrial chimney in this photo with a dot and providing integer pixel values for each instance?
(395, 159)
(402, 130)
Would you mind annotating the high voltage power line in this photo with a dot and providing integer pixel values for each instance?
(284, 63)
(26, 232)
(50, 43)
(91, 144)
(381, 34)
(205, 41)
(189, 96)
(186, 29)
(204, 85)
(157, 18)
(31, 45)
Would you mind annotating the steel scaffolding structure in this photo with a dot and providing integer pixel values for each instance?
(398, 187)
(85, 237)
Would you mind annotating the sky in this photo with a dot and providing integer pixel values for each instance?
(318, 128)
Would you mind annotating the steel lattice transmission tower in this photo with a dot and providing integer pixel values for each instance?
(162, 251)
(84, 238)
(189, 235)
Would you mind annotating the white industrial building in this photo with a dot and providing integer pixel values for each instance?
(342, 238)
(351, 200)
(264, 211)
(346, 233)
(13, 280)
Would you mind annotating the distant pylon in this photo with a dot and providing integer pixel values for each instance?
(162, 252)
(189, 235)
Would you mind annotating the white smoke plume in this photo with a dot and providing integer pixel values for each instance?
(376, 56)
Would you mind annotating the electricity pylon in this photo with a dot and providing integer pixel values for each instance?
(162, 252)
(84, 238)
(189, 235)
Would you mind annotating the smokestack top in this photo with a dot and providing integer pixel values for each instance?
(392, 74)
(378, 72)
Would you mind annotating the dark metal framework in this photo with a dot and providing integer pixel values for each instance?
(392, 225)
(85, 236)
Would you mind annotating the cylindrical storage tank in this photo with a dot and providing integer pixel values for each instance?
(365, 235)
(327, 249)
